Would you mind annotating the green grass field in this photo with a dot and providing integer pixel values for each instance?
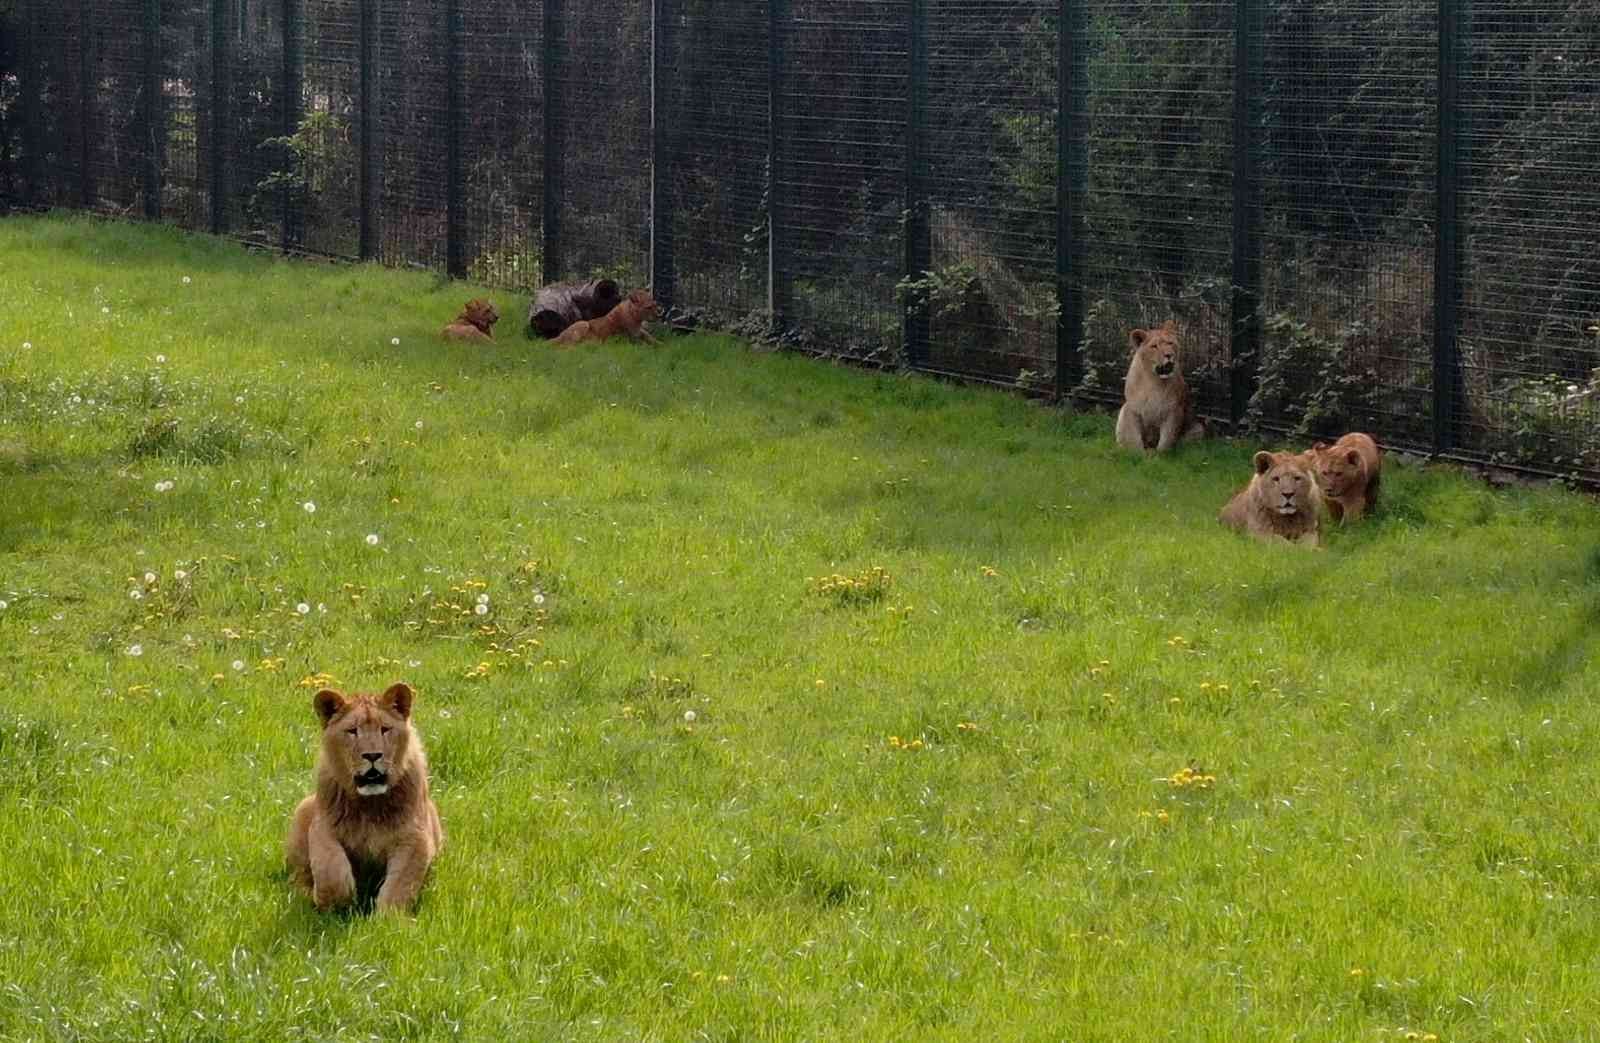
(1083, 766)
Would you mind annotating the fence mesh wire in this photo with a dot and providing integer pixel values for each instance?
(1347, 174)
(1530, 331)
(886, 176)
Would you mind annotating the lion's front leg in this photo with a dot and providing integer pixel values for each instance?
(1171, 429)
(403, 876)
(333, 882)
(1130, 431)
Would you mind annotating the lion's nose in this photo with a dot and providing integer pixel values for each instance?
(373, 757)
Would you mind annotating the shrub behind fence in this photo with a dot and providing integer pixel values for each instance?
(1375, 214)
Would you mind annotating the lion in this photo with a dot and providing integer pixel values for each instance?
(475, 323)
(1347, 471)
(1282, 501)
(1156, 411)
(371, 811)
(627, 317)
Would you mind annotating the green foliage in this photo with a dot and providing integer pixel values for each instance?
(1318, 378)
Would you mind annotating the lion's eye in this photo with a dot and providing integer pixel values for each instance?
(385, 731)
(349, 731)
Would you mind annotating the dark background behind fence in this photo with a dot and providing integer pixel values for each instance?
(1364, 214)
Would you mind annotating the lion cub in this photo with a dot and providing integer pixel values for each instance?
(627, 317)
(1281, 502)
(371, 809)
(1156, 411)
(1347, 470)
(476, 322)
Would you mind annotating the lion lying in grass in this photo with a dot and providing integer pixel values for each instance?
(371, 810)
(1282, 502)
(475, 323)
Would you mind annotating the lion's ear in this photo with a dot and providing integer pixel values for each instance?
(1317, 447)
(1263, 462)
(328, 703)
(398, 697)
(1137, 337)
(1353, 457)
(1171, 325)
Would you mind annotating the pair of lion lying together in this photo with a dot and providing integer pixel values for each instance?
(478, 316)
(1286, 497)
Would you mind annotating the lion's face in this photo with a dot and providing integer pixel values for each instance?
(481, 313)
(644, 304)
(1157, 349)
(1337, 469)
(1282, 485)
(366, 739)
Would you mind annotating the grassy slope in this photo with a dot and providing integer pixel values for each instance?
(1400, 837)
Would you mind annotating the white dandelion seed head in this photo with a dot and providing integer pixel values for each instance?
(481, 609)
(419, 425)
(303, 608)
(149, 577)
(372, 539)
(321, 607)
(538, 599)
(136, 650)
(689, 716)
(136, 594)
(238, 400)
(395, 341)
(186, 280)
(238, 664)
(104, 310)
(179, 574)
(4, 604)
(483, 599)
(27, 345)
(161, 360)
(310, 507)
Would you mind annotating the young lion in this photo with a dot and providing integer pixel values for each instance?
(1281, 502)
(371, 809)
(1348, 474)
(476, 322)
(1156, 411)
(627, 317)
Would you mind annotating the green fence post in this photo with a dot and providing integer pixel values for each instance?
(292, 100)
(154, 117)
(86, 193)
(1072, 173)
(1245, 337)
(367, 177)
(777, 258)
(662, 261)
(221, 87)
(918, 245)
(455, 204)
(550, 71)
(1447, 244)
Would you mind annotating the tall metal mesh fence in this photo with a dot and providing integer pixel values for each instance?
(1530, 323)
(1379, 214)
